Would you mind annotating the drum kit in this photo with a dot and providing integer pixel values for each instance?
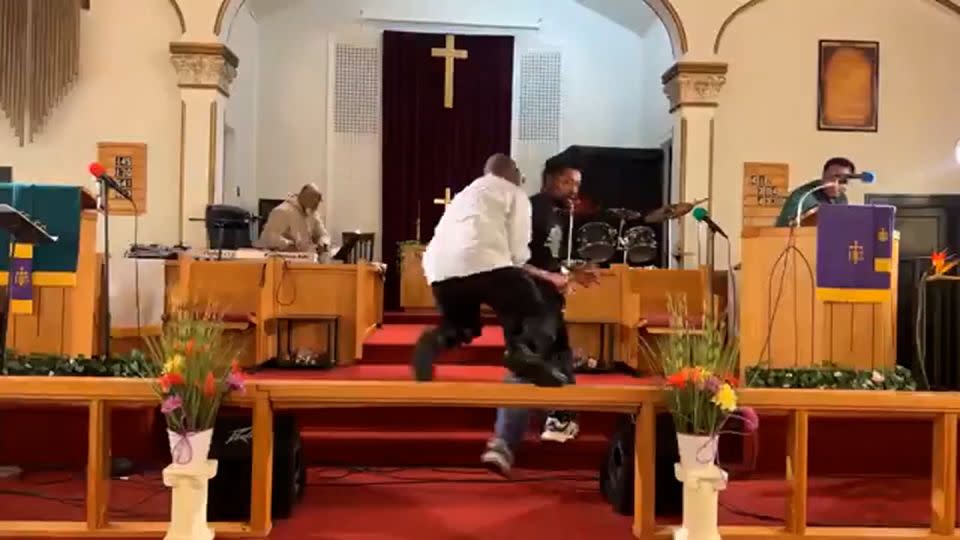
(598, 241)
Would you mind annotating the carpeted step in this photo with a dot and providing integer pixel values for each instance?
(394, 344)
(442, 449)
(432, 419)
(428, 317)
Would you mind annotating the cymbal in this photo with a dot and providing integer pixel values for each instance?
(625, 214)
(672, 211)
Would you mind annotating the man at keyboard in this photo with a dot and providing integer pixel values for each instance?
(295, 225)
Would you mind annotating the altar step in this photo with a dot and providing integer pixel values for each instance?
(393, 343)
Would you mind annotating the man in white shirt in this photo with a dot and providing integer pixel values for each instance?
(295, 225)
(476, 257)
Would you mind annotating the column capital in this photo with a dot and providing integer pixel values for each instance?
(204, 65)
(694, 84)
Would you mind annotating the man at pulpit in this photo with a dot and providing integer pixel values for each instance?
(295, 224)
(830, 188)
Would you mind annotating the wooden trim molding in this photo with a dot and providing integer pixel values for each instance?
(183, 23)
(671, 20)
(183, 149)
(221, 13)
(949, 4)
(212, 168)
(695, 84)
(710, 169)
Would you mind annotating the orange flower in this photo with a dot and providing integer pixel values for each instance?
(209, 385)
(188, 348)
(731, 380)
(170, 379)
(678, 379)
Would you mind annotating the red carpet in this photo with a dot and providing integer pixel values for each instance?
(459, 504)
(395, 341)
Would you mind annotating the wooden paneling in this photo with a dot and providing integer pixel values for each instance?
(127, 164)
(782, 322)
(765, 188)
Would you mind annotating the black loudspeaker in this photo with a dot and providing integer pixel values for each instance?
(232, 447)
(616, 472)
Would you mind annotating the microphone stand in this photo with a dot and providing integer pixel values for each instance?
(711, 253)
(105, 270)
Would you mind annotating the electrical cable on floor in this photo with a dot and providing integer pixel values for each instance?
(392, 478)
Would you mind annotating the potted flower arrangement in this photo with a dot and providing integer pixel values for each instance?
(199, 369)
(698, 364)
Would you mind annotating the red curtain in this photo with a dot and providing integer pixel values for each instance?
(427, 147)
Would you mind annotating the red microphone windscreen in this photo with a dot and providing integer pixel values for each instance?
(97, 169)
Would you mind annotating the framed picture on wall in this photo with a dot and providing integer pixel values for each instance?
(848, 86)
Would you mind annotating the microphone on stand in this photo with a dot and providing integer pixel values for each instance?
(866, 177)
(700, 214)
(100, 173)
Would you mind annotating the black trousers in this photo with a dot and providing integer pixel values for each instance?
(560, 353)
(526, 318)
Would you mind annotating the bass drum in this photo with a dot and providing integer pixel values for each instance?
(597, 242)
(640, 244)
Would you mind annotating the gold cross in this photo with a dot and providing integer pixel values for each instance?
(883, 235)
(856, 252)
(22, 277)
(446, 198)
(449, 54)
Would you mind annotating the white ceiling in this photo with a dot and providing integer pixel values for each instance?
(634, 15)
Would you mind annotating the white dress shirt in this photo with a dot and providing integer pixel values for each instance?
(487, 226)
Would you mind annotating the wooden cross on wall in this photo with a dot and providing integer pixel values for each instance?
(450, 54)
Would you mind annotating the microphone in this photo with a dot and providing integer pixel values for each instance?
(98, 171)
(866, 177)
(700, 214)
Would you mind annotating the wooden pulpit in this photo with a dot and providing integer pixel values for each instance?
(61, 321)
(783, 323)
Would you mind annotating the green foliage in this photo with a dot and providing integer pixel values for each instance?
(831, 377)
(133, 365)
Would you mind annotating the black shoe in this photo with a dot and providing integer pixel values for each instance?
(427, 348)
(529, 367)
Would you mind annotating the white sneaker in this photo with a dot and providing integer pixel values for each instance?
(557, 430)
(498, 457)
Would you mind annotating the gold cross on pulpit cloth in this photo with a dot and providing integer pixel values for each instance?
(449, 54)
(447, 197)
(856, 252)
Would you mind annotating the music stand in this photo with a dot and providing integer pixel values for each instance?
(22, 230)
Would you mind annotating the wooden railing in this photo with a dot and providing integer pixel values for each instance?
(266, 396)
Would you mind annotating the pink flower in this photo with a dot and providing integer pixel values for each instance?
(171, 404)
(235, 382)
(749, 418)
(712, 384)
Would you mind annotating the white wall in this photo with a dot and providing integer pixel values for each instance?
(240, 152)
(768, 109)
(657, 58)
(602, 84)
(127, 92)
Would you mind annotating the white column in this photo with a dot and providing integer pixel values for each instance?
(701, 490)
(188, 510)
(692, 88)
(205, 72)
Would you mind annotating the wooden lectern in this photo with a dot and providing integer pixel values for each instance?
(806, 331)
(62, 321)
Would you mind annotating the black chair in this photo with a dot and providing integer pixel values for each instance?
(360, 247)
(228, 227)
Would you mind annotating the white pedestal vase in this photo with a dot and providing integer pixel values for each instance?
(189, 477)
(702, 481)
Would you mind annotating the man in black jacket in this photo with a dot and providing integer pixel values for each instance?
(551, 210)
